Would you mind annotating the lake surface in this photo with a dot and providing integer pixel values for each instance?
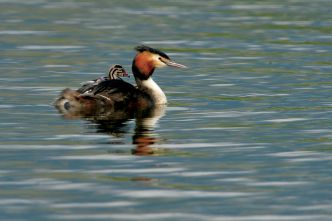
(246, 136)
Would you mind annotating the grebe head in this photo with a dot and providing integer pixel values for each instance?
(117, 71)
(147, 59)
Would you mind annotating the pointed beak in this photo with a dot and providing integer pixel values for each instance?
(125, 74)
(173, 64)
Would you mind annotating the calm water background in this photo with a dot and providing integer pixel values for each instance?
(246, 135)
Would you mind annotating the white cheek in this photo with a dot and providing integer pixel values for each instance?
(160, 64)
(157, 62)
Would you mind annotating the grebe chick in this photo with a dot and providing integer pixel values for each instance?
(114, 72)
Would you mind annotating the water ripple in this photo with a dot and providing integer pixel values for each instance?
(93, 205)
(303, 156)
(50, 147)
(202, 145)
(139, 170)
(50, 47)
(279, 183)
(96, 157)
(24, 32)
(227, 114)
(187, 216)
(255, 7)
(286, 120)
(181, 194)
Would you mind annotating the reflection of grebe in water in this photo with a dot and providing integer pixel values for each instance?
(144, 136)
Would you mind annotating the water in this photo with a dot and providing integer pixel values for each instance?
(246, 135)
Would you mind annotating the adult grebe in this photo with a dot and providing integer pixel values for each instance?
(118, 95)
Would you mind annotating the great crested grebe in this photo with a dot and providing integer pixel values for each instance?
(116, 95)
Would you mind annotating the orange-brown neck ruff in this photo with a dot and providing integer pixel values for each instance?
(143, 65)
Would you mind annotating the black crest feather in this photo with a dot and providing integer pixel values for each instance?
(142, 48)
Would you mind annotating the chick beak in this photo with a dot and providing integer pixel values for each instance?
(125, 74)
(173, 64)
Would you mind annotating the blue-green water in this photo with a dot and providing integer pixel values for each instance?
(246, 135)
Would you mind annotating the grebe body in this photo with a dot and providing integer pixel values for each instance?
(116, 95)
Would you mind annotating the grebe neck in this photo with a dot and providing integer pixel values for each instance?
(150, 87)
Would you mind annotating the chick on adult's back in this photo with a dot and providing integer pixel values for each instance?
(120, 95)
